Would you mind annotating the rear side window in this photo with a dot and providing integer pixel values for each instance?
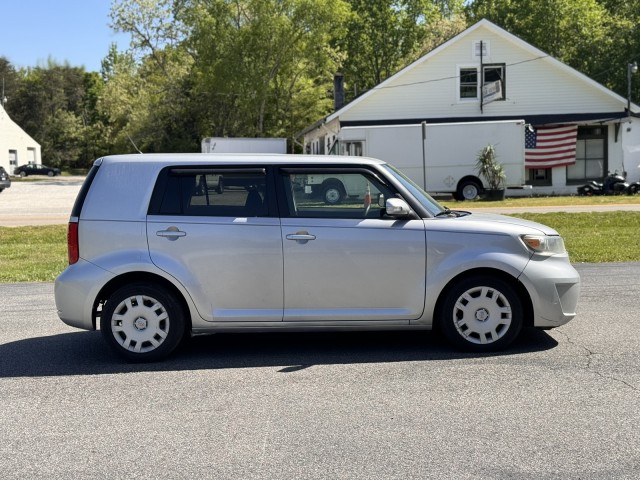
(211, 192)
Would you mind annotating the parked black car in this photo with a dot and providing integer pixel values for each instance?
(35, 169)
(5, 181)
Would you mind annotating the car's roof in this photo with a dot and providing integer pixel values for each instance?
(238, 158)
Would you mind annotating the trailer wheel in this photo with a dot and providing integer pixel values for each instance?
(468, 190)
(332, 192)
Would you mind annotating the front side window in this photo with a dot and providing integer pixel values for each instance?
(334, 194)
(214, 193)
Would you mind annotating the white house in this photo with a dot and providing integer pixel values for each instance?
(446, 86)
(16, 146)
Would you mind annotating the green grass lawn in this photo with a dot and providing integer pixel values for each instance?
(546, 202)
(38, 254)
(32, 254)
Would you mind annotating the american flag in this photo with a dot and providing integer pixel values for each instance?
(547, 147)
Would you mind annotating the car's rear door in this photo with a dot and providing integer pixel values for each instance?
(346, 261)
(223, 245)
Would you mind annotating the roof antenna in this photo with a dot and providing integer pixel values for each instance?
(133, 143)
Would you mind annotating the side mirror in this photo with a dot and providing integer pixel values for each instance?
(396, 207)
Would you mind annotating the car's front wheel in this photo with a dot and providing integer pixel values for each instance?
(23, 174)
(481, 314)
(142, 322)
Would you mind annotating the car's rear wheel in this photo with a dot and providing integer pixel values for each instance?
(481, 314)
(142, 322)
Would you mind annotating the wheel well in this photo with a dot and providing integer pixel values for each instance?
(527, 306)
(135, 277)
(470, 179)
(332, 182)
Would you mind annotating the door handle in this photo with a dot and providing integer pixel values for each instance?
(171, 233)
(300, 237)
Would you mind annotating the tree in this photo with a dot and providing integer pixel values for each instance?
(222, 68)
(573, 31)
(386, 35)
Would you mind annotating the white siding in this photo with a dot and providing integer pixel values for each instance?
(533, 86)
(13, 138)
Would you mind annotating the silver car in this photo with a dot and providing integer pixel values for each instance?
(158, 252)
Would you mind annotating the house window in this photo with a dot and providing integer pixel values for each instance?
(540, 177)
(351, 148)
(480, 49)
(494, 73)
(468, 83)
(591, 155)
(469, 88)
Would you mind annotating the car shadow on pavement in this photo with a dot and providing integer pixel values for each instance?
(85, 353)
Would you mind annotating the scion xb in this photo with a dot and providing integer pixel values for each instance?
(158, 252)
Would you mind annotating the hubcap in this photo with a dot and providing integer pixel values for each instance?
(482, 315)
(332, 195)
(470, 192)
(140, 324)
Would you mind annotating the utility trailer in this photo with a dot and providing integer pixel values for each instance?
(440, 157)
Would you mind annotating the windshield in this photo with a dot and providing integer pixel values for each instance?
(419, 194)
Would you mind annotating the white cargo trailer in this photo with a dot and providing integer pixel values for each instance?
(441, 157)
(244, 145)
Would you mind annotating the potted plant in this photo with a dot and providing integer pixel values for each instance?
(493, 172)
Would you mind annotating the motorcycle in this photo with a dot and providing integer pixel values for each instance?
(613, 184)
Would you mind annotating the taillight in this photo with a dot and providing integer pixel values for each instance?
(73, 248)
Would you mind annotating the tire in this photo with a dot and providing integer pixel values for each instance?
(468, 190)
(142, 323)
(23, 174)
(633, 189)
(481, 314)
(332, 192)
(51, 174)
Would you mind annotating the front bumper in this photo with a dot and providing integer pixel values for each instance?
(554, 287)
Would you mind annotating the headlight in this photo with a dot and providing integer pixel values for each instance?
(544, 244)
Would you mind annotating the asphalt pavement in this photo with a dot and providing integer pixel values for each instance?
(562, 404)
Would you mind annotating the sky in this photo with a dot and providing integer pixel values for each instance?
(73, 31)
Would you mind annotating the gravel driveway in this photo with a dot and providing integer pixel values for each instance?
(39, 202)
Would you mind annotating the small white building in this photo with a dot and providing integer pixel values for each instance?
(446, 86)
(16, 146)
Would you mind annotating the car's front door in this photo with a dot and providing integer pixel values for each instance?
(223, 244)
(344, 260)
